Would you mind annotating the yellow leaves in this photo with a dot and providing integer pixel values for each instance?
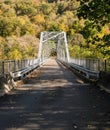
(64, 27)
(2, 43)
(1, 39)
(72, 32)
(100, 35)
(39, 19)
(106, 30)
(109, 48)
(93, 47)
(53, 16)
(1, 11)
(37, 2)
(21, 20)
(82, 21)
(15, 54)
(69, 14)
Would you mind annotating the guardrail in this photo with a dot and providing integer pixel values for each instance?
(88, 67)
(85, 72)
(19, 68)
(92, 64)
(24, 71)
(11, 70)
(89, 74)
(105, 65)
(88, 63)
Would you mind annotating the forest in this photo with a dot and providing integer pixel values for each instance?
(86, 23)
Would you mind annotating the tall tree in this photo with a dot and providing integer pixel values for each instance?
(98, 14)
(95, 10)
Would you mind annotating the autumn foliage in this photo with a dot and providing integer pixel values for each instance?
(22, 21)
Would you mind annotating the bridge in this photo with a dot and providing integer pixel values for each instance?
(51, 42)
(50, 96)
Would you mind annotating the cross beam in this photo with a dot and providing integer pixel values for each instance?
(61, 45)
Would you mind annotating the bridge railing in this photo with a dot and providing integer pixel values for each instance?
(105, 65)
(17, 66)
(88, 63)
(83, 68)
(91, 68)
(92, 64)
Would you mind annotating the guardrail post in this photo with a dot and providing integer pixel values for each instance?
(21, 64)
(87, 75)
(105, 66)
(18, 65)
(3, 68)
(14, 65)
(9, 66)
(98, 65)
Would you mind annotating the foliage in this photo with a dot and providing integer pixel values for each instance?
(97, 29)
(21, 48)
(95, 10)
(86, 22)
(80, 52)
(77, 51)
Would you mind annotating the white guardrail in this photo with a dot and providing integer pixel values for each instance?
(19, 68)
(87, 73)
(24, 71)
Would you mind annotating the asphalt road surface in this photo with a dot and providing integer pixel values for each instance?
(53, 98)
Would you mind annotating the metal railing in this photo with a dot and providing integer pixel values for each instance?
(14, 66)
(105, 66)
(90, 67)
(87, 63)
(92, 64)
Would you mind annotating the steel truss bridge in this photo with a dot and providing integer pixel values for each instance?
(51, 42)
(52, 97)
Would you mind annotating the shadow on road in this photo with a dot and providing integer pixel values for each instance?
(55, 100)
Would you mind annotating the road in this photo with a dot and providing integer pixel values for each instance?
(53, 98)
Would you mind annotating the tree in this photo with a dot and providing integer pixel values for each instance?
(25, 7)
(96, 30)
(46, 8)
(21, 48)
(22, 19)
(7, 26)
(78, 39)
(95, 10)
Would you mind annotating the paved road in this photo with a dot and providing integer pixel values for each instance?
(53, 98)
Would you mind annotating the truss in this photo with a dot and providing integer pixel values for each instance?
(60, 45)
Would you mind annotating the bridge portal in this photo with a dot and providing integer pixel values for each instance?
(53, 42)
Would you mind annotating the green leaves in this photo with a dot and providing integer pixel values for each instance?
(21, 48)
(96, 31)
(7, 26)
(95, 10)
(20, 18)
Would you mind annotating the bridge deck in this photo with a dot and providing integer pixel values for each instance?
(53, 98)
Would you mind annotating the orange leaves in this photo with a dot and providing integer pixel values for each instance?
(39, 19)
(1, 11)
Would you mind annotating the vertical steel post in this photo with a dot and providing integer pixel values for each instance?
(105, 65)
(99, 65)
(14, 65)
(40, 47)
(66, 47)
(3, 68)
